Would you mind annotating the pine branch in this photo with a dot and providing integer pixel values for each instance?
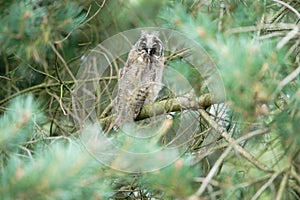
(175, 105)
(49, 85)
(169, 105)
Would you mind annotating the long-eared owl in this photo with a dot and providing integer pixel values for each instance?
(140, 80)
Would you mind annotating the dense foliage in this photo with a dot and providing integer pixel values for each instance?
(246, 147)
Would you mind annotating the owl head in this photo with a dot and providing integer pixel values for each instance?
(150, 44)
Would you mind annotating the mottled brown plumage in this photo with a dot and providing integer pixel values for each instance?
(140, 80)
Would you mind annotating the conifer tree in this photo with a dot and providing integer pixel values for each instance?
(246, 146)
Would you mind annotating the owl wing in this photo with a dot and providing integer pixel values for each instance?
(124, 103)
(140, 97)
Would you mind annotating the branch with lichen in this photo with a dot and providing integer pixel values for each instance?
(169, 105)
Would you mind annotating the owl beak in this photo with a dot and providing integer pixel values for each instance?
(149, 51)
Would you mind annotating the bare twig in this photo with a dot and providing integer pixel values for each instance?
(221, 16)
(288, 37)
(204, 152)
(96, 13)
(232, 142)
(213, 171)
(63, 61)
(252, 134)
(41, 72)
(6, 78)
(270, 35)
(267, 184)
(252, 182)
(277, 16)
(295, 187)
(296, 176)
(49, 85)
(269, 27)
(289, 7)
(84, 22)
(212, 181)
(282, 186)
(288, 78)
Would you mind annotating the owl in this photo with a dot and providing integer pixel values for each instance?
(140, 80)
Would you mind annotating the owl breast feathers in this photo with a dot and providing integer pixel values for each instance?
(140, 80)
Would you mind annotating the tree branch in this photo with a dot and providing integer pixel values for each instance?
(176, 104)
(232, 142)
(49, 85)
(169, 105)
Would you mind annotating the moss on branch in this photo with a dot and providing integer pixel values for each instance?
(169, 105)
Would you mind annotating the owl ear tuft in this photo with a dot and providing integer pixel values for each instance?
(155, 33)
(144, 33)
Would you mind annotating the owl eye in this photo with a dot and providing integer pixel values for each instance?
(156, 50)
(142, 47)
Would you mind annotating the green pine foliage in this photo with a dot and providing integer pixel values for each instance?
(255, 46)
(36, 24)
(17, 124)
(34, 167)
